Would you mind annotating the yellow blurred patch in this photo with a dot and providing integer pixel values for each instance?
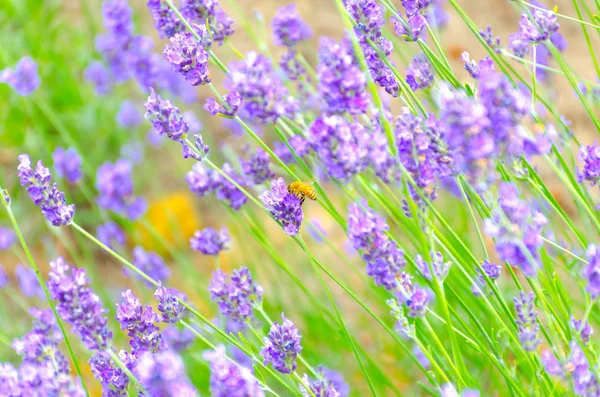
(173, 218)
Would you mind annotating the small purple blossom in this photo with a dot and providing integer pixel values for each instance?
(341, 83)
(236, 295)
(591, 271)
(28, 282)
(110, 233)
(418, 74)
(139, 321)
(47, 197)
(209, 241)
(201, 11)
(165, 20)
(23, 77)
(584, 331)
(448, 390)
(288, 28)
(78, 305)
(411, 31)
(491, 40)
(67, 163)
(282, 346)
(336, 379)
(551, 364)
(440, 268)
(97, 74)
(151, 264)
(129, 116)
(584, 377)
(257, 169)
(169, 304)
(115, 186)
(7, 238)
(229, 109)
(178, 339)
(527, 321)
(228, 379)
(589, 157)
(226, 191)
(188, 57)
(201, 180)
(284, 206)
(544, 25)
(319, 388)
(113, 379)
(264, 97)
(167, 120)
(491, 270)
(163, 374)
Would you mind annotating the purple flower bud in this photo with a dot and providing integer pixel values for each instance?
(78, 305)
(584, 377)
(591, 271)
(177, 339)
(201, 180)
(418, 302)
(225, 190)
(418, 74)
(99, 76)
(201, 11)
(527, 321)
(115, 185)
(491, 270)
(113, 379)
(284, 206)
(7, 238)
(257, 168)
(440, 268)
(163, 374)
(129, 116)
(169, 305)
(151, 264)
(236, 295)
(165, 20)
(23, 78)
(319, 388)
(288, 28)
(543, 26)
(228, 379)
(491, 40)
(551, 363)
(210, 242)
(584, 331)
(67, 163)
(282, 346)
(412, 32)
(46, 196)
(232, 103)
(337, 380)
(188, 57)
(589, 156)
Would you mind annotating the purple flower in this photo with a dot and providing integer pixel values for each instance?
(551, 363)
(366, 231)
(516, 229)
(230, 108)
(23, 78)
(139, 321)
(47, 197)
(545, 24)
(67, 163)
(491, 40)
(257, 168)
(491, 270)
(584, 377)
(7, 238)
(110, 233)
(115, 186)
(414, 7)
(282, 346)
(78, 305)
(591, 271)
(341, 83)
(210, 242)
(288, 28)
(440, 268)
(418, 74)
(99, 76)
(228, 379)
(163, 374)
(129, 116)
(201, 180)
(188, 57)
(584, 331)
(44, 369)
(284, 206)
(410, 31)
(225, 190)
(167, 120)
(177, 339)
(151, 264)
(589, 156)
(199, 11)
(113, 379)
(236, 295)
(169, 305)
(28, 282)
(418, 302)
(527, 321)
(264, 97)
(319, 388)
(341, 145)
(165, 20)
(337, 380)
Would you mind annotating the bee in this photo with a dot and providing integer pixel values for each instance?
(302, 190)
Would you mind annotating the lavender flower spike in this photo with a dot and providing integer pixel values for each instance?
(229, 109)
(188, 57)
(589, 156)
(163, 374)
(47, 197)
(288, 28)
(282, 346)
(236, 295)
(284, 206)
(258, 167)
(210, 242)
(527, 321)
(23, 78)
(151, 264)
(67, 163)
(228, 379)
(591, 271)
(169, 305)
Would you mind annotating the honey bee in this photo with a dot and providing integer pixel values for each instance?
(302, 190)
